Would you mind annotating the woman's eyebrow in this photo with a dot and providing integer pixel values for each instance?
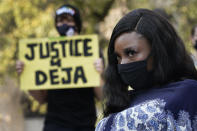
(130, 48)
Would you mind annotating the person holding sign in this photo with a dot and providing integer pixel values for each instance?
(146, 53)
(68, 109)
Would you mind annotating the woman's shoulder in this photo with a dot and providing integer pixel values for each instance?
(188, 86)
(145, 115)
(184, 87)
(148, 115)
(101, 125)
(183, 98)
(189, 83)
(178, 87)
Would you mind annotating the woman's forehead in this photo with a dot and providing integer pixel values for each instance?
(131, 39)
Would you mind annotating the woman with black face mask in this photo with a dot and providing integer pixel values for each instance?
(146, 54)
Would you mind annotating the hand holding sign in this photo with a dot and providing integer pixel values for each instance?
(99, 65)
(19, 67)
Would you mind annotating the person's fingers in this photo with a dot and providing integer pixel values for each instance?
(98, 64)
(19, 66)
(19, 62)
(99, 69)
(19, 71)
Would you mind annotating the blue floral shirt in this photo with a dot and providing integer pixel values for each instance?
(170, 108)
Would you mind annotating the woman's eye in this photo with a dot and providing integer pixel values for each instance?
(130, 53)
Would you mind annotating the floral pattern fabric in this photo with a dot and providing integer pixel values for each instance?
(150, 115)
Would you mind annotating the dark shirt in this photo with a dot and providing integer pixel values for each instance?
(71, 107)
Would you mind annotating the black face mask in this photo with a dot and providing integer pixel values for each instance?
(66, 30)
(195, 45)
(136, 75)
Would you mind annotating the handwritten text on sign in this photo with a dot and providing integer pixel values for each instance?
(64, 62)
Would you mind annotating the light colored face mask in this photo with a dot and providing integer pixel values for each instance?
(70, 32)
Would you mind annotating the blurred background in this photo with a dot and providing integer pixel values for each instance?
(35, 19)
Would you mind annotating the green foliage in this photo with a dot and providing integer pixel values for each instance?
(29, 19)
(20, 19)
(182, 12)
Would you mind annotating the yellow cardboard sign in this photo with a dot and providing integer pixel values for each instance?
(63, 62)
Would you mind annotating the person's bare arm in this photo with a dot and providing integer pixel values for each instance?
(39, 95)
(99, 66)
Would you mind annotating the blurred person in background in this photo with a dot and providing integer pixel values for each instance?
(69, 109)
